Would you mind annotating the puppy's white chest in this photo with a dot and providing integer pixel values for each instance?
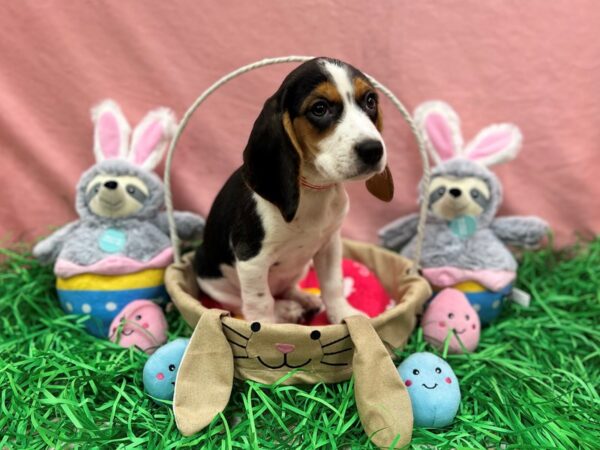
(318, 216)
(289, 247)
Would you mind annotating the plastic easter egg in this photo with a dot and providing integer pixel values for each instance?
(142, 324)
(451, 313)
(160, 371)
(433, 388)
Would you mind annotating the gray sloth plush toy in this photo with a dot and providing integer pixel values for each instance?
(465, 245)
(118, 249)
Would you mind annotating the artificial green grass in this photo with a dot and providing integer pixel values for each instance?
(533, 382)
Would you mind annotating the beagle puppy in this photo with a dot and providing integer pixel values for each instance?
(284, 207)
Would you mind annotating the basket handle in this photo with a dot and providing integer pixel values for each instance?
(279, 60)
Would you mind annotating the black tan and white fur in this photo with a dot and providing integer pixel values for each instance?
(284, 207)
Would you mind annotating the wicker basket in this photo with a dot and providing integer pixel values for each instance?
(223, 347)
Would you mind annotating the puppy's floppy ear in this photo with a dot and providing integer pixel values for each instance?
(205, 375)
(271, 161)
(382, 400)
(381, 185)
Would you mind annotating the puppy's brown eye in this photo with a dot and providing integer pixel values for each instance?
(371, 101)
(319, 108)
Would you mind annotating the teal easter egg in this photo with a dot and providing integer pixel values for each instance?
(433, 389)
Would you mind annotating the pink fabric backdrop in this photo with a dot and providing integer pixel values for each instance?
(534, 62)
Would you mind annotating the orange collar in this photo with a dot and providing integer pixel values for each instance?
(316, 187)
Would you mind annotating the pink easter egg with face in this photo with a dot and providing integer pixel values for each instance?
(142, 324)
(451, 312)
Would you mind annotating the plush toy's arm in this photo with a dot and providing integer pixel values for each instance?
(189, 225)
(398, 233)
(47, 250)
(526, 232)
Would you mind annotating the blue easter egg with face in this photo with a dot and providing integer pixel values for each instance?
(160, 371)
(433, 389)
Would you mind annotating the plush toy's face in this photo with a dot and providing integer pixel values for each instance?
(160, 371)
(450, 313)
(116, 196)
(142, 324)
(433, 389)
(452, 197)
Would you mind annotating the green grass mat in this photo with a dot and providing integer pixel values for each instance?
(533, 383)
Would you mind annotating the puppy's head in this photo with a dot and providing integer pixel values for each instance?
(324, 120)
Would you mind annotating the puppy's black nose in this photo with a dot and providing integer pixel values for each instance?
(454, 192)
(370, 152)
(111, 184)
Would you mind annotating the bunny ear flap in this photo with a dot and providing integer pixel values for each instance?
(382, 400)
(440, 126)
(205, 375)
(495, 144)
(111, 131)
(151, 138)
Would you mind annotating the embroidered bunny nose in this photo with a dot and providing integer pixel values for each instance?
(285, 348)
(454, 192)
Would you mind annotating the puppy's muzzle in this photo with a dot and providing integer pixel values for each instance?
(370, 152)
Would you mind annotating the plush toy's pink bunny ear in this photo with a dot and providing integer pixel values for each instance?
(440, 126)
(111, 131)
(495, 144)
(151, 138)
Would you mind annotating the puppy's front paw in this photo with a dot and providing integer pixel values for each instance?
(336, 313)
(288, 311)
(310, 302)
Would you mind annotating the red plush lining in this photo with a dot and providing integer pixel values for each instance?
(361, 287)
